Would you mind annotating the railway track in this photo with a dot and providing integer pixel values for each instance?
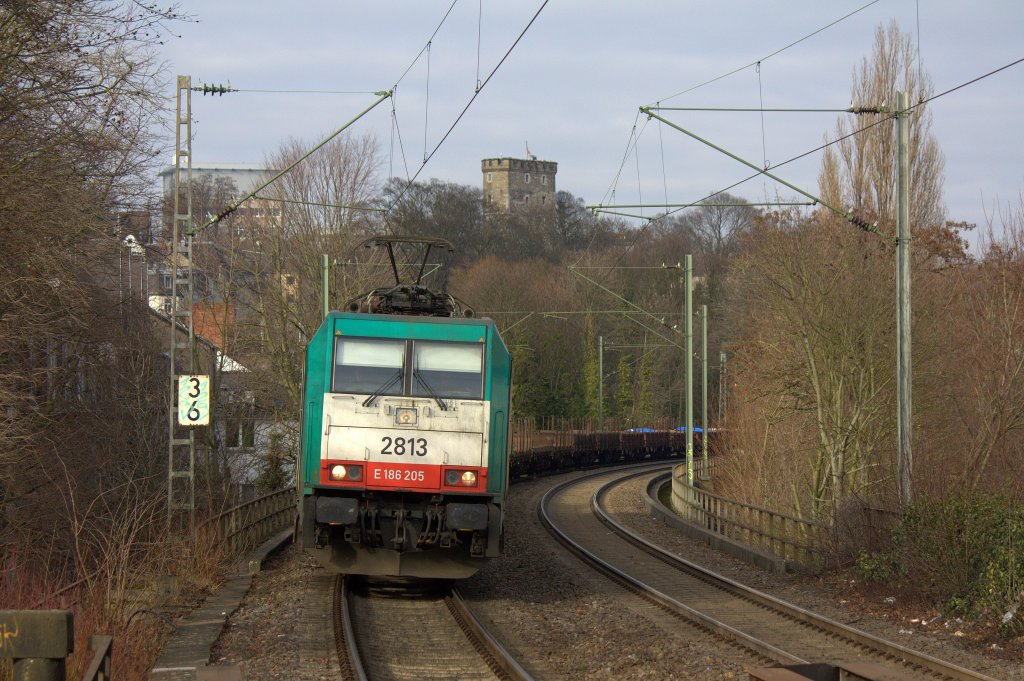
(417, 632)
(770, 628)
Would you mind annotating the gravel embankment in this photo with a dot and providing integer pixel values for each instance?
(562, 620)
(841, 598)
(283, 629)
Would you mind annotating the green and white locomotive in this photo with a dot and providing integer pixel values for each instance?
(405, 433)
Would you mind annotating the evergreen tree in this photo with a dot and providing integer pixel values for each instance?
(624, 389)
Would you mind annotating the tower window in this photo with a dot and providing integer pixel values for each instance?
(488, 177)
(527, 178)
(544, 180)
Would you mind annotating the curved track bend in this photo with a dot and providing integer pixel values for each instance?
(769, 627)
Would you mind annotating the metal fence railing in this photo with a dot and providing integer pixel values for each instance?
(37, 643)
(799, 541)
(102, 648)
(42, 639)
(247, 525)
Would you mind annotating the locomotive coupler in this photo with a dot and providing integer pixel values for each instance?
(321, 536)
(399, 540)
(479, 545)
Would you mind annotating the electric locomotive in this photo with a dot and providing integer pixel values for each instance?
(405, 434)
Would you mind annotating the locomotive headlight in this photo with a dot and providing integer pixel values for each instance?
(457, 478)
(339, 472)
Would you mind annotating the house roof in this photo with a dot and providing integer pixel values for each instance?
(227, 364)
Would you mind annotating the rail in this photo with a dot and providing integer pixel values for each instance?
(798, 541)
(247, 525)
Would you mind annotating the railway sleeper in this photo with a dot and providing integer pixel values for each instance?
(858, 671)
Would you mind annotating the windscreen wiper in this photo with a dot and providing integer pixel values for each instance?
(430, 391)
(381, 390)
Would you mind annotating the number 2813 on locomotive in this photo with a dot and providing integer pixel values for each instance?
(404, 465)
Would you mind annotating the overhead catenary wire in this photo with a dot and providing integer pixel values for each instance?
(426, 46)
(664, 174)
(317, 204)
(917, 15)
(965, 84)
(426, 105)
(702, 204)
(472, 99)
(636, 307)
(764, 143)
(776, 52)
(639, 233)
(761, 109)
(639, 183)
(611, 190)
(527, 314)
(479, 39)
(234, 205)
(574, 312)
(622, 163)
(658, 105)
(848, 215)
(398, 134)
(870, 126)
(219, 90)
(662, 266)
(649, 347)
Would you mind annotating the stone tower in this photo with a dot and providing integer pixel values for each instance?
(515, 185)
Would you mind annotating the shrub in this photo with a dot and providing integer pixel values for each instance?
(1002, 582)
(877, 567)
(965, 551)
(943, 545)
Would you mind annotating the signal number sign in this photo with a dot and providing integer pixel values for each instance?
(194, 400)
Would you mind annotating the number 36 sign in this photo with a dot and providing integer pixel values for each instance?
(194, 400)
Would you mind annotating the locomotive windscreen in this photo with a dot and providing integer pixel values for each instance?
(364, 366)
(448, 369)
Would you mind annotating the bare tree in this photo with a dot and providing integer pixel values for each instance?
(322, 207)
(858, 172)
(545, 348)
(985, 379)
(439, 209)
(717, 229)
(79, 91)
(816, 347)
(816, 314)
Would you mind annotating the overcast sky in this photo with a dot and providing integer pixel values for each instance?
(572, 86)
